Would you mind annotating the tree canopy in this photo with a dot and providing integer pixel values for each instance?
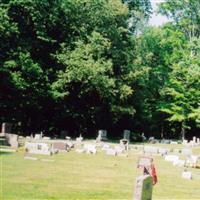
(84, 65)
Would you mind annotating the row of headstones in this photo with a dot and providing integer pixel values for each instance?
(93, 148)
(102, 135)
(47, 148)
(194, 142)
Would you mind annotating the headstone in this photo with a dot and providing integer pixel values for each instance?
(143, 188)
(194, 139)
(187, 151)
(179, 163)
(37, 137)
(184, 142)
(111, 152)
(119, 149)
(38, 148)
(80, 150)
(12, 140)
(79, 139)
(105, 147)
(163, 151)
(102, 135)
(164, 141)
(187, 175)
(171, 158)
(60, 146)
(90, 149)
(192, 160)
(144, 162)
(6, 127)
(124, 143)
(151, 150)
(126, 135)
(46, 138)
(68, 138)
(198, 140)
(173, 142)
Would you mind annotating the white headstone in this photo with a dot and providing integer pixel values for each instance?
(37, 137)
(90, 148)
(163, 151)
(187, 151)
(194, 139)
(6, 127)
(179, 163)
(171, 158)
(151, 150)
(111, 152)
(38, 148)
(187, 175)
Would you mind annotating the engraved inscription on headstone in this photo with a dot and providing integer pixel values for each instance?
(143, 188)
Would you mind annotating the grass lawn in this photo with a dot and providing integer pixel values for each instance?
(82, 176)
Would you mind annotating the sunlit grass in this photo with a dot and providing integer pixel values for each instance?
(82, 176)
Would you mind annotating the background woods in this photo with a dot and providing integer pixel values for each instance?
(84, 65)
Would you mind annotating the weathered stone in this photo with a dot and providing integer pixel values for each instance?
(37, 137)
(179, 163)
(126, 135)
(60, 146)
(187, 175)
(102, 136)
(111, 152)
(171, 158)
(187, 151)
(12, 140)
(124, 144)
(38, 148)
(151, 150)
(143, 188)
(90, 148)
(6, 127)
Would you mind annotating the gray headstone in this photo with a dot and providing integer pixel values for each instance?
(12, 140)
(126, 135)
(143, 188)
(60, 146)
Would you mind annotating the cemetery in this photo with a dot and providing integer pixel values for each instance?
(99, 99)
(47, 168)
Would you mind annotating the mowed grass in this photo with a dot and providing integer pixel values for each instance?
(82, 176)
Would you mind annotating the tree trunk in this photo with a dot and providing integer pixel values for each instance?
(183, 130)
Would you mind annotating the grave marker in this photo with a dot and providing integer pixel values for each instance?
(126, 135)
(143, 188)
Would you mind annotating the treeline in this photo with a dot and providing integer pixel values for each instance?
(84, 65)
